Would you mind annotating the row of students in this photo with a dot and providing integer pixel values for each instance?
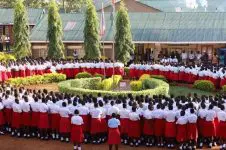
(159, 121)
(181, 73)
(69, 68)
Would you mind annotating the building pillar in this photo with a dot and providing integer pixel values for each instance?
(157, 50)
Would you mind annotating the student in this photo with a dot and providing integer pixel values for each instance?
(182, 130)
(113, 132)
(103, 128)
(34, 117)
(16, 118)
(7, 103)
(43, 123)
(26, 116)
(134, 127)
(2, 119)
(192, 130)
(64, 122)
(76, 130)
(54, 118)
(124, 120)
(222, 127)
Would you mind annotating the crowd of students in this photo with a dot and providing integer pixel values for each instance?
(160, 121)
(181, 73)
(70, 68)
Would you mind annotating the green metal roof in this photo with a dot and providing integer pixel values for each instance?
(6, 16)
(151, 28)
(187, 5)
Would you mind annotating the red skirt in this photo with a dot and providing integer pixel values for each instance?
(2, 119)
(54, 121)
(181, 133)
(22, 73)
(114, 136)
(16, 120)
(192, 131)
(75, 71)
(65, 125)
(159, 126)
(34, 119)
(131, 73)
(124, 125)
(134, 129)
(26, 117)
(209, 129)
(221, 130)
(95, 125)
(104, 127)
(4, 76)
(28, 72)
(200, 126)
(86, 123)
(77, 134)
(181, 76)
(170, 130)
(148, 128)
(216, 123)
(9, 74)
(17, 74)
(8, 115)
(43, 121)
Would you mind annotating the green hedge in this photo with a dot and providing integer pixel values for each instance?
(110, 83)
(160, 77)
(6, 57)
(144, 76)
(223, 89)
(136, 85)
(87, 83)
(161, 88)
(148, 84)
(37, 79)
(204, 85)
(98, 75)
(126, 70)
(83, 75)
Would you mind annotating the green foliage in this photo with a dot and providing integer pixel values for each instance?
(204, 85)
(126, 70)
(27, 3)
(144, 76)
(99, 75)
(91, 33)
(55, 33)
(123, 38)
(110, 83)
(83, 75)
(4, 57)
(87, 83)
(223, 89)
(136, 85)
(22, 46)
(161, 88)
(37, 79)
(160, 77)
(73, 5)
(148, 84)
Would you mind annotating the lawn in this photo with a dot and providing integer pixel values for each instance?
(182, 90)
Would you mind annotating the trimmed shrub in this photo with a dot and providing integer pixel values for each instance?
(87, 83)
(108, 84)
(98, 75)
(204, 85)
(223, 89)
(83, 75)
(6, 57)
(144, 76)
(37, 79)
(148, 84)
(116, 80)
(136, 85)
(126, 70)
(161, 88)
(160, 77)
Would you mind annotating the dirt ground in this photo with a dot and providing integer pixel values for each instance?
(50, 87)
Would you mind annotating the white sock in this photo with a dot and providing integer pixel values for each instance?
(75, 147)
(79, 148)
(224, 146)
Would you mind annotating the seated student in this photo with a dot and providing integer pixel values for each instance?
(2, 118)
(113, 132)
(134, 127)
(182, 130)
(76, 130)
(64, 122)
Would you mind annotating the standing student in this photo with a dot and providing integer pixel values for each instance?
(222, 127)
(7, 103)
(64, 122)
(43, 119)
(34, 117)
(2, 119)
(54, 118)
(16, 118)
(113, 132)
(26, 116)
(76, 130)
(124, 121)
(192, 130)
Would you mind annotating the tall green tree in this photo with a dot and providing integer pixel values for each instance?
(22, 46)
(72, 5)
(123, 37)
(27, 3)
(91, 32)
(55, 33)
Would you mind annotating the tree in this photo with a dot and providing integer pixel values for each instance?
(123, 38)
(72, 5)
(91, 32)
(27, 3)
(55, 33)
(22, 46)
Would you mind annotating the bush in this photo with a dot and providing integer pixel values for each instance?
(223, 89)
(126, 70)
(83, 75)
(116, 79)
(99, 75)
(144, 76)
(6, 57)
(136, 85)
(37, 79)
(108, 84)
(160, 77)
(148, 84)
(204, 85)
(162, 88)
(87, 83)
